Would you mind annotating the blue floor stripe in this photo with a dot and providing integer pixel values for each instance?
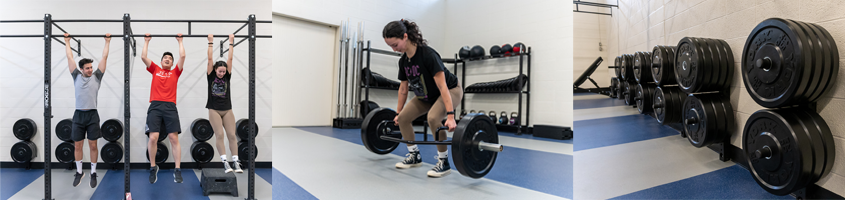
(165, 188)
(545, 172)
(597, 133)
(729, 183)
(15, 179)
(264, 173)
(597, 103)
(110, 185)
(284, 188)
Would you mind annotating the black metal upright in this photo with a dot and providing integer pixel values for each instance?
(48, 108)
(127, 45)
(527, 93)
(251, 139)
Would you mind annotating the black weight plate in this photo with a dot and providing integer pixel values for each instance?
(372, 128)
(627, 70)
(642, 67)
(614, 85)
(243, 129)
(814, 56)
(243, 150)
(719, 67)
(23, 151)
(784, 163)
(162, 153)
(690, 65)
(730, 63)
(699, 122)
(202, 152)
(644, 98)
(64, 129)
(112, 130)
(366, 106)
(24, 129)
(821, 60)
(662, 61)
(781, 79)
(201, 129)
(660, 105)
(65, 152)
(630, 93)
(469, 159)
(620, 90)
(724, 116)
(618, 63)
(831, 52)
(822, 141)
(708, 66)
(111, 152)
(817, 148)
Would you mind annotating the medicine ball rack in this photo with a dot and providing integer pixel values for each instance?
(129, 45)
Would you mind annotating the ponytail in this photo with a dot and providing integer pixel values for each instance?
(397, 29)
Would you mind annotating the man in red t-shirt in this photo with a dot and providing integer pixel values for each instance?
(162, 116)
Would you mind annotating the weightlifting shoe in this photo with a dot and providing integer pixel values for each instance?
(238, 167)
(441, 169)
(153, 174)
(77, 177)
(226, 167)
(413, 159)
(93, 182)
(177, 175)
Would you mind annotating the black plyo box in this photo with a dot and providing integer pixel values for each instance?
(553, 132)
(214, 180)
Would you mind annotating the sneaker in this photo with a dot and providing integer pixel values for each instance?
(153, 174)
(177, 175)
(413, 159)
(238, 167)
(226, 167)
(441, 169)
(77, 177)
(93, 182)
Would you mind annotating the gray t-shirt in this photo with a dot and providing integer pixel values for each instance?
(86, 89)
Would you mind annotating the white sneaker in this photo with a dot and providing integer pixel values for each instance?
(413, 159)
(238, 167)
(441, 169)
(226, 167)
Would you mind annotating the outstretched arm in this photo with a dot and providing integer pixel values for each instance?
(102, 65)
(144, 58)
(210, 57)
(181, 62)
(231, 52)
(71, 65)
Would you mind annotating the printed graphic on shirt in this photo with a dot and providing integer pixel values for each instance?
(416, 82)
(164, 74)
(218, 87)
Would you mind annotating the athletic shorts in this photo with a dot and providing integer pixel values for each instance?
(85, 121)
(163, 117)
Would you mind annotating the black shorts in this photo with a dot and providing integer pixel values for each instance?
(85, 121)
(162, 117)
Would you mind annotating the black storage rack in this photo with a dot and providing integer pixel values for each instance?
(524, 64)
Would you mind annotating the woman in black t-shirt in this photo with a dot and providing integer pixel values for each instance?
(437, 91)
(219, 104)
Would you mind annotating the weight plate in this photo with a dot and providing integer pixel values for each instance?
(243, 129)
(24, 129)
(719, 69)
(642, 67)
(820, 60)
(23, 151)
(366, 106)
(668, 102)
(469, 159)
(65, 152)
(372, 128)
(822, 139)
(689, 65)
(243, 150)
(202, 152)
(111, 152)
(630, 93)
(700, 120)
(644, 99)
(614, 85)
(778, 151)
(64, 129)
(162, 153)
(201, 129)
(812, 55)
(831, 52)
(112, 130)
(730, 67)
(618, 63)
(662, 65)
(627, 70)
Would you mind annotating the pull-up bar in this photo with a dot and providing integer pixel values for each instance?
(134, 20)
(151, 35)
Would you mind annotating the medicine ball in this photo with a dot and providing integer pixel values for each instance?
(506, 49)
(518, 47)
(495, 51)
(464, 52)
(476, 52)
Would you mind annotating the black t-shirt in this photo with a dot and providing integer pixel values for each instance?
(219, 97)
(419, 72)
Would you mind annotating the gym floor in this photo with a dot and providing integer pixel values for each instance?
(18, 183)
(329, 163)
(622, 154)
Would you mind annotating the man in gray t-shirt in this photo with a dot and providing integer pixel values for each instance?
(86, 84)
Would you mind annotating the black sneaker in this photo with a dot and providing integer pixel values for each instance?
(441, 169)
(177, 175)
(93, 180)
(413, 160)
(153, 174)
(77, 177)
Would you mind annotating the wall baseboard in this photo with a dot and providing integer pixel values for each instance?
(119, 166)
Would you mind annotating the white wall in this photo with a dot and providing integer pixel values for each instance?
(22, 63)
(589, 31)
(545, 26)
(642, 24)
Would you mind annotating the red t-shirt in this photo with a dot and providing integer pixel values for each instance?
(164, 83)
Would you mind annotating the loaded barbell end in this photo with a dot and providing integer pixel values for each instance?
(484, 146)
(764, 152)
(690, 121)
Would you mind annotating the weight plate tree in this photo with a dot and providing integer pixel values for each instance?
(65, 152)
(642, 67)
(201, 129)
(202, 152)
(63, 130)
(663, 65)
(112, 130)
(24, 129)
(707, 119)
(162, 153)
(24, 152)
(787, 149)
(644, 98)
(112, 152)
(786, 62)
(703, 65)
(668, 102)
